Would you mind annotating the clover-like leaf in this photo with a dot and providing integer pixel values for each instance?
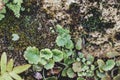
(32, 55)
(70, 73)
(46, 53)
(109, 65)
(50, 64)
(57, 55)
(76, 67)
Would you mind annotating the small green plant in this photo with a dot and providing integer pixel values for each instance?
(76, 64)
(44, 58)
(8, 72)
(64, 39)
(14, 5)
(87, 67)
(83, 66)
(104, 68)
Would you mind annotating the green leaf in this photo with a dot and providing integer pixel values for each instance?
(18, 2)
(1, 78)
(100, 75)
(15, 76)
(3, 63)
(50, 64)
(79, 78)
(81, 55)
(118, 63)
(69, 61)
(79, 74)
(90, 58)
(32, 55)
(15, 8)
(64, 72)
(60, 30)
(3, 11)
(109, 65)
(76, 67)
(52, 78)
(2, 16)
(37, 67)
(100, 63)
(46, 53)
(79, 44)
(69, 44)
(15, 37)
(10, 65)
(5, 1)
(60, 41)
(43, 61)
(70, 73)
(69, 52)
(6, 76)
(22, 68)
(57, 55)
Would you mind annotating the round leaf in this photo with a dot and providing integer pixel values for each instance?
(69, 44)
(70, 73)
(46, 53)
(76, 67)
(32, 55)
(50, 64)
(109, 65)
(79, 78)
(57, 55)
(90, 58)
(60, 41)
